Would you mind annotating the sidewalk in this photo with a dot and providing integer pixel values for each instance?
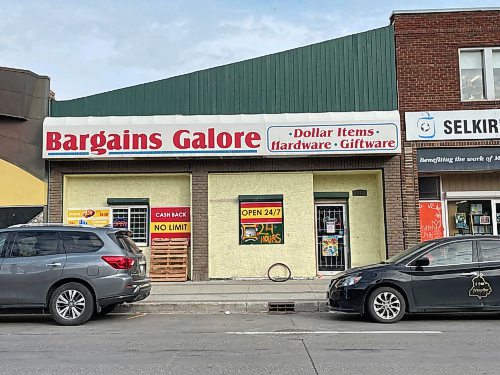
(233, 296)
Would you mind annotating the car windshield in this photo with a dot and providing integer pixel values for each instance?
(396, 258)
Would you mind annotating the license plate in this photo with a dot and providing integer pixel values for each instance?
(142, 269)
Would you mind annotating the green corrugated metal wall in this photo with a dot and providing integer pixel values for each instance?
(352, 73)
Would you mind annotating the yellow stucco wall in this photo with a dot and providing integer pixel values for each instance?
(366, 214)
(20, 188)
(163, 190)
(228, 259)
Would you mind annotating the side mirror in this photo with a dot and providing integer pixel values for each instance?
(421, 262)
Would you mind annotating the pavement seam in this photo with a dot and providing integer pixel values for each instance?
(310, 358)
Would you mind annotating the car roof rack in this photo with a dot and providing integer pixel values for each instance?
(50, 225)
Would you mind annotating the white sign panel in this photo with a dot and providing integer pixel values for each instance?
(230, 136)
(446, 125)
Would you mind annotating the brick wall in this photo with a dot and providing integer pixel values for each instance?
(428, 79)
(200, 169)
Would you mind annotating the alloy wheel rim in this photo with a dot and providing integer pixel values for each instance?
(387, 305)
(70, 304)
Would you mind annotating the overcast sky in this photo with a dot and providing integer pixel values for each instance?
(87, 47)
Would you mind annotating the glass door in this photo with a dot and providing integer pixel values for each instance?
(331, 237)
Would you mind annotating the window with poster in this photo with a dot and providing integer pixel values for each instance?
(430, 208)
(261, 219)
(131, 214)
(470, 217)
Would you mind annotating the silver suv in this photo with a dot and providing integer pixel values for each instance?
(74, 272)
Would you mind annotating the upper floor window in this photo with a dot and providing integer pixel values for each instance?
(480, 74)
(429, 188)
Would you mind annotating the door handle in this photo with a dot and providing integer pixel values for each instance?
(469, 274)
(54, 265)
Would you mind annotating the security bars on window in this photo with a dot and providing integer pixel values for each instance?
(137, 222)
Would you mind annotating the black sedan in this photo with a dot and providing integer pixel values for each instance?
(455, 274)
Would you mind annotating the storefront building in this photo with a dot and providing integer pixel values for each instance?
(291, 157)
(448, 69)
(24, 102)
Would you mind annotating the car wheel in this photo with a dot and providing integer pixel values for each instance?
(386, 305)
(106, 310)
(71, 304)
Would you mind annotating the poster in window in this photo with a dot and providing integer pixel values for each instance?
(170, 222)
(461, 220)
(485, 220)
(431, 220)
(261, 223)
(96, 217)
(330, 227)
(476, 208)
(330, 246)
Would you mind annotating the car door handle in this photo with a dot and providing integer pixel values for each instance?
(54, 265)
(469, 274)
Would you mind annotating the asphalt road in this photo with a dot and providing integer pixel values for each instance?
(250, 344)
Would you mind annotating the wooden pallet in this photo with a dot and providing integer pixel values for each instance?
(169, 259)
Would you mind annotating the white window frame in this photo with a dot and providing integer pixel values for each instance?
(129, 208)
(489, 82)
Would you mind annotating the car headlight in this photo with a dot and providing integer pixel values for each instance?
(350, 280)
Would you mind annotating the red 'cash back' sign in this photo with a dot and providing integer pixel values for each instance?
(170, 222)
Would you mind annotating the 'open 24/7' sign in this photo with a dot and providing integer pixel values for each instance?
(261, 223)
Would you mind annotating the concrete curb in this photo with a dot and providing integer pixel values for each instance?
(259, 307)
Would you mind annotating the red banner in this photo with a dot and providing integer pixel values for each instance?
(431, 220)
(170, 222)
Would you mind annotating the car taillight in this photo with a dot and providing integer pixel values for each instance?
(119, 262)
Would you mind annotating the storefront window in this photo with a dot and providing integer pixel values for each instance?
(470, 217)
(135, 219)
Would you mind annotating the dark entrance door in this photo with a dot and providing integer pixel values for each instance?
(331, 237)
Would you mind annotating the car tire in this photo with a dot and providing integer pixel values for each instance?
(386, 305)
(106, 310)
(71, 304)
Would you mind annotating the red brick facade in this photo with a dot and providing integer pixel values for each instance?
(427, 66)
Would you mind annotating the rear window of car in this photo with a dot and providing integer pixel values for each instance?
(81, 242)
(125, 242)
(129, 244)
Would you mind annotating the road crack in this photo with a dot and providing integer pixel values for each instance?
(310, 358)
